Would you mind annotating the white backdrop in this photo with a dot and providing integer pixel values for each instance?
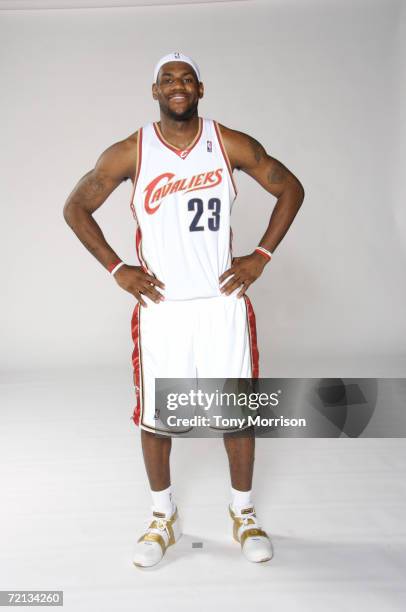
(320, 84)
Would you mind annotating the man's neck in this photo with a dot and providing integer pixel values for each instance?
(179, 133)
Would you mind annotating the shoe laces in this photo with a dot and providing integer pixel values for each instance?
(160, 524)
(248, 519)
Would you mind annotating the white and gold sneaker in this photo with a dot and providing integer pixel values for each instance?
(163, 531)
(255, 543)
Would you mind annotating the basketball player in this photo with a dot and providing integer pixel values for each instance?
(192, 317)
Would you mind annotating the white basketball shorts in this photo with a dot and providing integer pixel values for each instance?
(200, 338)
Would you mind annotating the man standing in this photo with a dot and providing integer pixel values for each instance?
(193, 318)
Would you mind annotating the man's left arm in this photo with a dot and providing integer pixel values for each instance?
(247, 154)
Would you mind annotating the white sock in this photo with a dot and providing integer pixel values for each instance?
(162, 501)
(240, 499)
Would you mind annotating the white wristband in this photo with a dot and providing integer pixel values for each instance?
(117, 267)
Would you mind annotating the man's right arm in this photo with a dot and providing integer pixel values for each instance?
(114, 166)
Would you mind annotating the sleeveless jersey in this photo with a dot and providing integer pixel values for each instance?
(182, 202)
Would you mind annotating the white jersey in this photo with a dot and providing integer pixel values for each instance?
(182, 202)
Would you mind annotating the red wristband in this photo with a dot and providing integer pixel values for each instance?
(264, 252)
(111, 267)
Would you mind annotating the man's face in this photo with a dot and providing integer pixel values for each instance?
(177, 90)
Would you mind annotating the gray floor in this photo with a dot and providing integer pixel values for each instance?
(74, 499)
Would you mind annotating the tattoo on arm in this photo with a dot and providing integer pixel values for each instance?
(91, 187)
(257, 149)
(277, 173)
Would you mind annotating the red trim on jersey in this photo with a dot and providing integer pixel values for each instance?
(225, 155)
(138, 240)
(182, 153)
(137, 171)
(136, 361)
(138, 235)
(253, 337)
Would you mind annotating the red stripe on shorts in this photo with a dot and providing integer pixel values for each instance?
(253, 338)
(136, 361)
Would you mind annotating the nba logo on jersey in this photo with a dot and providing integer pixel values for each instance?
(209, 146)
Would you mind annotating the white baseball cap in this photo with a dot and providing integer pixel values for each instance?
(176, 57)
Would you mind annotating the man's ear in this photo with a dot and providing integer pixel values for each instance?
(201, 90)
(154, 91)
